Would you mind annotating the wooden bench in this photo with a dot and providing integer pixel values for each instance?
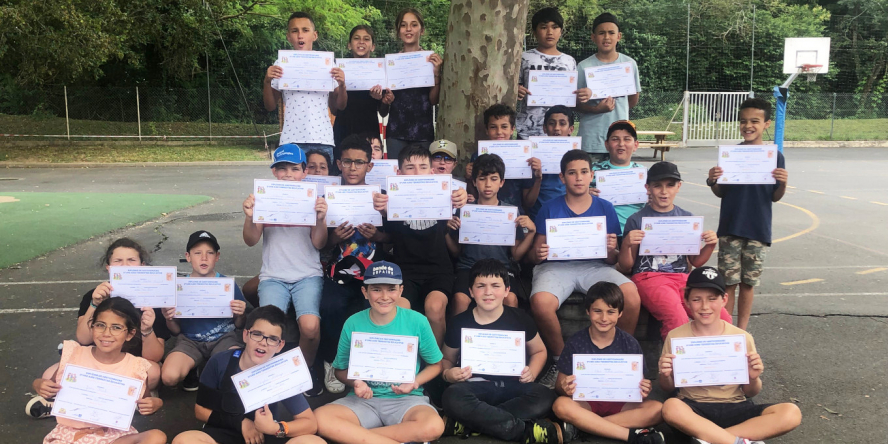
(661, 147)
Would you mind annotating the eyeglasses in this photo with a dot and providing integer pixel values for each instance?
(443, 158)
(270, 340)
(116, 329)
(349, 162)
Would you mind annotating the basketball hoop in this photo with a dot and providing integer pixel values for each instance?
(810, 71)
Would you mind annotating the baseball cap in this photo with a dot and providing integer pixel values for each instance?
(622, 125)
(383, 272)
(443, 146)
(663, 170)
(289, 153)
(201, 236)
(706, 277)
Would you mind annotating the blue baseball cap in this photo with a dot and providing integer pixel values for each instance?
(383, 272)
(290, 153)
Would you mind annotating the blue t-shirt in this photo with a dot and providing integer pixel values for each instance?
(557, 209)
(209, 329)
(550, 188)
(746, 209)
(581, 343)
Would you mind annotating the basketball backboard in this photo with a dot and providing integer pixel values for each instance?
(806, 51)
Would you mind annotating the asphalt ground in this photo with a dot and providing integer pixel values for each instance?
(819, 317)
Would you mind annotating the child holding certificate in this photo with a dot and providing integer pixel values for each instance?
(621, 144)
(661, 278)
(598, 113)
(377, 411)
(220, 407)
(719, 414)
(114, 326)
(499, 124)
(744, 222)
(625, 421)
(199, 338)
(319, 163)
(510, 408)
(558, 122)
(360, 113)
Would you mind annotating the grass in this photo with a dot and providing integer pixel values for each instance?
(845, 129)
(130, 153)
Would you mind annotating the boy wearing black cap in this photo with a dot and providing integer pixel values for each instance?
(719, 414)
(199, 338)
(661, 279)
(597, 114)
(621, 143)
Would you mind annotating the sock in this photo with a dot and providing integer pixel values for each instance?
(739, 440)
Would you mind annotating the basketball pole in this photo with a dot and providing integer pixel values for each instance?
(781, 93)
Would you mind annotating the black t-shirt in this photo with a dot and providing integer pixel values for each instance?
(359, 116)
(421, 252)
(160, 326)
(410, 115)
(512, 319)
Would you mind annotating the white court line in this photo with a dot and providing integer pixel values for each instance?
(36, 310)
(824, 267)
(800, 295)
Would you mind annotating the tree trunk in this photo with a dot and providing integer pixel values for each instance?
(482, 61)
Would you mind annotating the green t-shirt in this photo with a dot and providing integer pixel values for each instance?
(406, 323)
(623, 211)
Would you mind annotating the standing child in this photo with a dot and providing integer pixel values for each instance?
(444, 156)
(597, 115)
(621, 144)
(113, 325)
(319, 163)
(720, 414)
(558, 122)
(744, 222)
(375, 144)
(499, 124)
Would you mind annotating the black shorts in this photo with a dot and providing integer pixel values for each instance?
(463, 284)
(228, 436)
(727, 414)
(416, 288)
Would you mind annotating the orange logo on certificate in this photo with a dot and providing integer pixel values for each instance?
(598, 226)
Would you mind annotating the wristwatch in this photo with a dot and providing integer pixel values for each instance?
(710, 182)
(283, 429)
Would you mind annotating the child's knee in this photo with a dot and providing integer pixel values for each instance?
(436, 305)
(154, 437)
(431, 429)
(789, 415)
(562, 406)
(511, 300)
(630, 295)
(673, 409)
(654, 410)
(309, 326)
(543, 304)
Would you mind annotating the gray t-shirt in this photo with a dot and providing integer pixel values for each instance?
(660, 264)
(288, 254)
(593, 127)
(530, 119)
(473, 253)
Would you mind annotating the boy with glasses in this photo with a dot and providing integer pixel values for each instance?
(443, 154)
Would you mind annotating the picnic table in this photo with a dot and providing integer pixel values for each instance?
(660, 143)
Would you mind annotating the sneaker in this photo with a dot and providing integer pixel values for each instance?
(569, 432)
(332, 384)
(317, 385)
(541, 431)
(453, 427)
(191, 381)
(549, 376)
(38, 408)
(649, 436)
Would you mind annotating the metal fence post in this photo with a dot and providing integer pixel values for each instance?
(209, 103)
(138, 114)
(832, 118)
(67, 123)
(684, 118)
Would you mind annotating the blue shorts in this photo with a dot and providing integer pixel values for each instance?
(305, 295)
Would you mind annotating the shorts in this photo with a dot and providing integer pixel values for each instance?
(741, 260)
(564, 278)
(201, 351)
(228, 436)
(417, 288)
(305, 295)
(381, 412)
(463, 283)
(605, 409)
(63, 434)
(727, 414)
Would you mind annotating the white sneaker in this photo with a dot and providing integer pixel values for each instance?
(332, 384)
(548, 378)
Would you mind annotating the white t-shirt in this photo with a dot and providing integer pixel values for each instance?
(288, 254)
(306, 118)
(530, 119)
(593, 127)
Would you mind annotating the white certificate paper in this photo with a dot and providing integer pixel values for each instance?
(382, 168)
(323, 182)
(305, 71)
(284, 202)
(362, 74)
(550, 150)
(352, 204)
(612, 378)
(204, 297)
(671, 235)
(514, 154)
(747, 164)
(487, 225)
(409, 70)
(577, 238)
(710, 360)
(550, 88)
(493, 352)
(612, 80)
(383, 358)
(424, 197)
(623, 186)
(457, 184)
(97, 397)
(153, 287)
(284, 376)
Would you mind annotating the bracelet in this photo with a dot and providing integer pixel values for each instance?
(93, 304)
(149, 332)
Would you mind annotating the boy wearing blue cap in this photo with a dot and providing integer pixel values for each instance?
(376, 411)
(291, 264)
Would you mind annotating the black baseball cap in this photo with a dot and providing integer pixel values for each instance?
(202, 236)
(706, 277)
(663, 170)
(622, 125)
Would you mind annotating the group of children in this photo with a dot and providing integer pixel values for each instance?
(414, 278)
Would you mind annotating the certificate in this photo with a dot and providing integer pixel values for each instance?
(362, 74)
(514, 154)
(493, 352)
(612, 378)
(550, 88)
(487, 225)
(550, 150)
(710, 360)
(611, 80)
(284, 376)
(305, 71)
(204, 297)
(323, 182)
(96, 397)
(284, 202)
(153, 287)
(577, 238)
(747, 164)
(382, 168)
(352, 204)
(622, 187)
(409, 70)
(425, 197)
(383, 358)
(456, 184)
(671, 235)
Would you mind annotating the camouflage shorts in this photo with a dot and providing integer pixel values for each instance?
(741, 260)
